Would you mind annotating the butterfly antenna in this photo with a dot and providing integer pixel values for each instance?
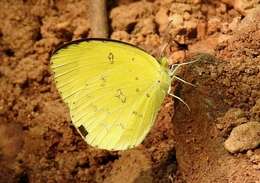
(168, 42)
(163, 50)
(186, 63)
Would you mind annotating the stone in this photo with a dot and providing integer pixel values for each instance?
(240, 5)
(176, 20)
(214, 24)
(252, 18)
(255, 110)
(243, 137)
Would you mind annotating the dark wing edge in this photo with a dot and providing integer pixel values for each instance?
(65, 45)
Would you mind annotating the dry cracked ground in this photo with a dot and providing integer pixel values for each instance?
(218, 141)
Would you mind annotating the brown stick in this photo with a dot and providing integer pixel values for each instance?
(98, 17)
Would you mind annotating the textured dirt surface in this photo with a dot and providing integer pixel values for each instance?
(37, 140)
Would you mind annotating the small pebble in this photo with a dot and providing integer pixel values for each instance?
(176, 20)
(243, 137)
(249, 153)
(257, 167)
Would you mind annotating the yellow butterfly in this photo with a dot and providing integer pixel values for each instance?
(113, 89)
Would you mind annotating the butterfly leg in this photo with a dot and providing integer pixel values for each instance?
(180, 99)
(173, 71)
(182, 80)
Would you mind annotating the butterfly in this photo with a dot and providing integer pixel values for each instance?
(113, 90)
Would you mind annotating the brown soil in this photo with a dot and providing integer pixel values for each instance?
(38, 142)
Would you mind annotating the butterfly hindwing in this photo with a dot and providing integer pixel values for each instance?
(113, 90)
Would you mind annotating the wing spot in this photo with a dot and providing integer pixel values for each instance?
(120, 95)
(103, 80)
(158, 81)
(133, 59)
(110, 58)
(137, 114)
(147, 95)
(83, 131)
(123, 99)
(122, 126)
(137, 90)
(136, 78)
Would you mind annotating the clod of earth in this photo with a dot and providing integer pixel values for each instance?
(243, 137)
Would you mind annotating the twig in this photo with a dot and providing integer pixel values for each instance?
(98, 17)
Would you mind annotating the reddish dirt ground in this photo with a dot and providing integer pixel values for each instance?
(37, 140)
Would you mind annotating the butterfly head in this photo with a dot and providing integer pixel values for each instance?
(164, 62)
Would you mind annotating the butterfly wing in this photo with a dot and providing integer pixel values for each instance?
(114, 90)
